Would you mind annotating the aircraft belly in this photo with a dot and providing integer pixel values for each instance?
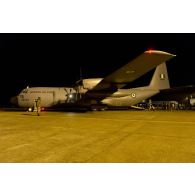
(131, 99)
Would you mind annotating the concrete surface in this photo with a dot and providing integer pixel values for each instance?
(106, 136)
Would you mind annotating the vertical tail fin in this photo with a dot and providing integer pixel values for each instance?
(160, 79)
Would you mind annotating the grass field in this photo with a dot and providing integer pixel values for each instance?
(106, 136)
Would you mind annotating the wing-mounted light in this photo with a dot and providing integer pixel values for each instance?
(151, 51)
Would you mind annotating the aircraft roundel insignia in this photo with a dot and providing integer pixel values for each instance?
(133, 95)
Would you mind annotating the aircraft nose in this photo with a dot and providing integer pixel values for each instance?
(14, 100)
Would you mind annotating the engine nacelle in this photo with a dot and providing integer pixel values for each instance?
(90, 83)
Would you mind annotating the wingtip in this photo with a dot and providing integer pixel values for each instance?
(158, 52)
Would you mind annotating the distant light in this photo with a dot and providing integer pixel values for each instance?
(150, 51)
(42, 108)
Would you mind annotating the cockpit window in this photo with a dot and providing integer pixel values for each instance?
(25, 91)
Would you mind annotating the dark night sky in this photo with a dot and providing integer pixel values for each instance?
(54, 59)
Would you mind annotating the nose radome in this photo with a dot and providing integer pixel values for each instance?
(14, 100)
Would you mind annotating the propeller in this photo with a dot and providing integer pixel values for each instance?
(69, 94)
(79, 84)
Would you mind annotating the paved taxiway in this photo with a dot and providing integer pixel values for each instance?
(106, 136)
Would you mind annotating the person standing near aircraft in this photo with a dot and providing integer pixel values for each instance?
(37, 106)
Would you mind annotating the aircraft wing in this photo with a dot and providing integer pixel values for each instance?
(134, 69)
(128, 73)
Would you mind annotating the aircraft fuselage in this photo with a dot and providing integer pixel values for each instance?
(51, 96)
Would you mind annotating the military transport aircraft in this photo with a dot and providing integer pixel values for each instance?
(100, 93)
